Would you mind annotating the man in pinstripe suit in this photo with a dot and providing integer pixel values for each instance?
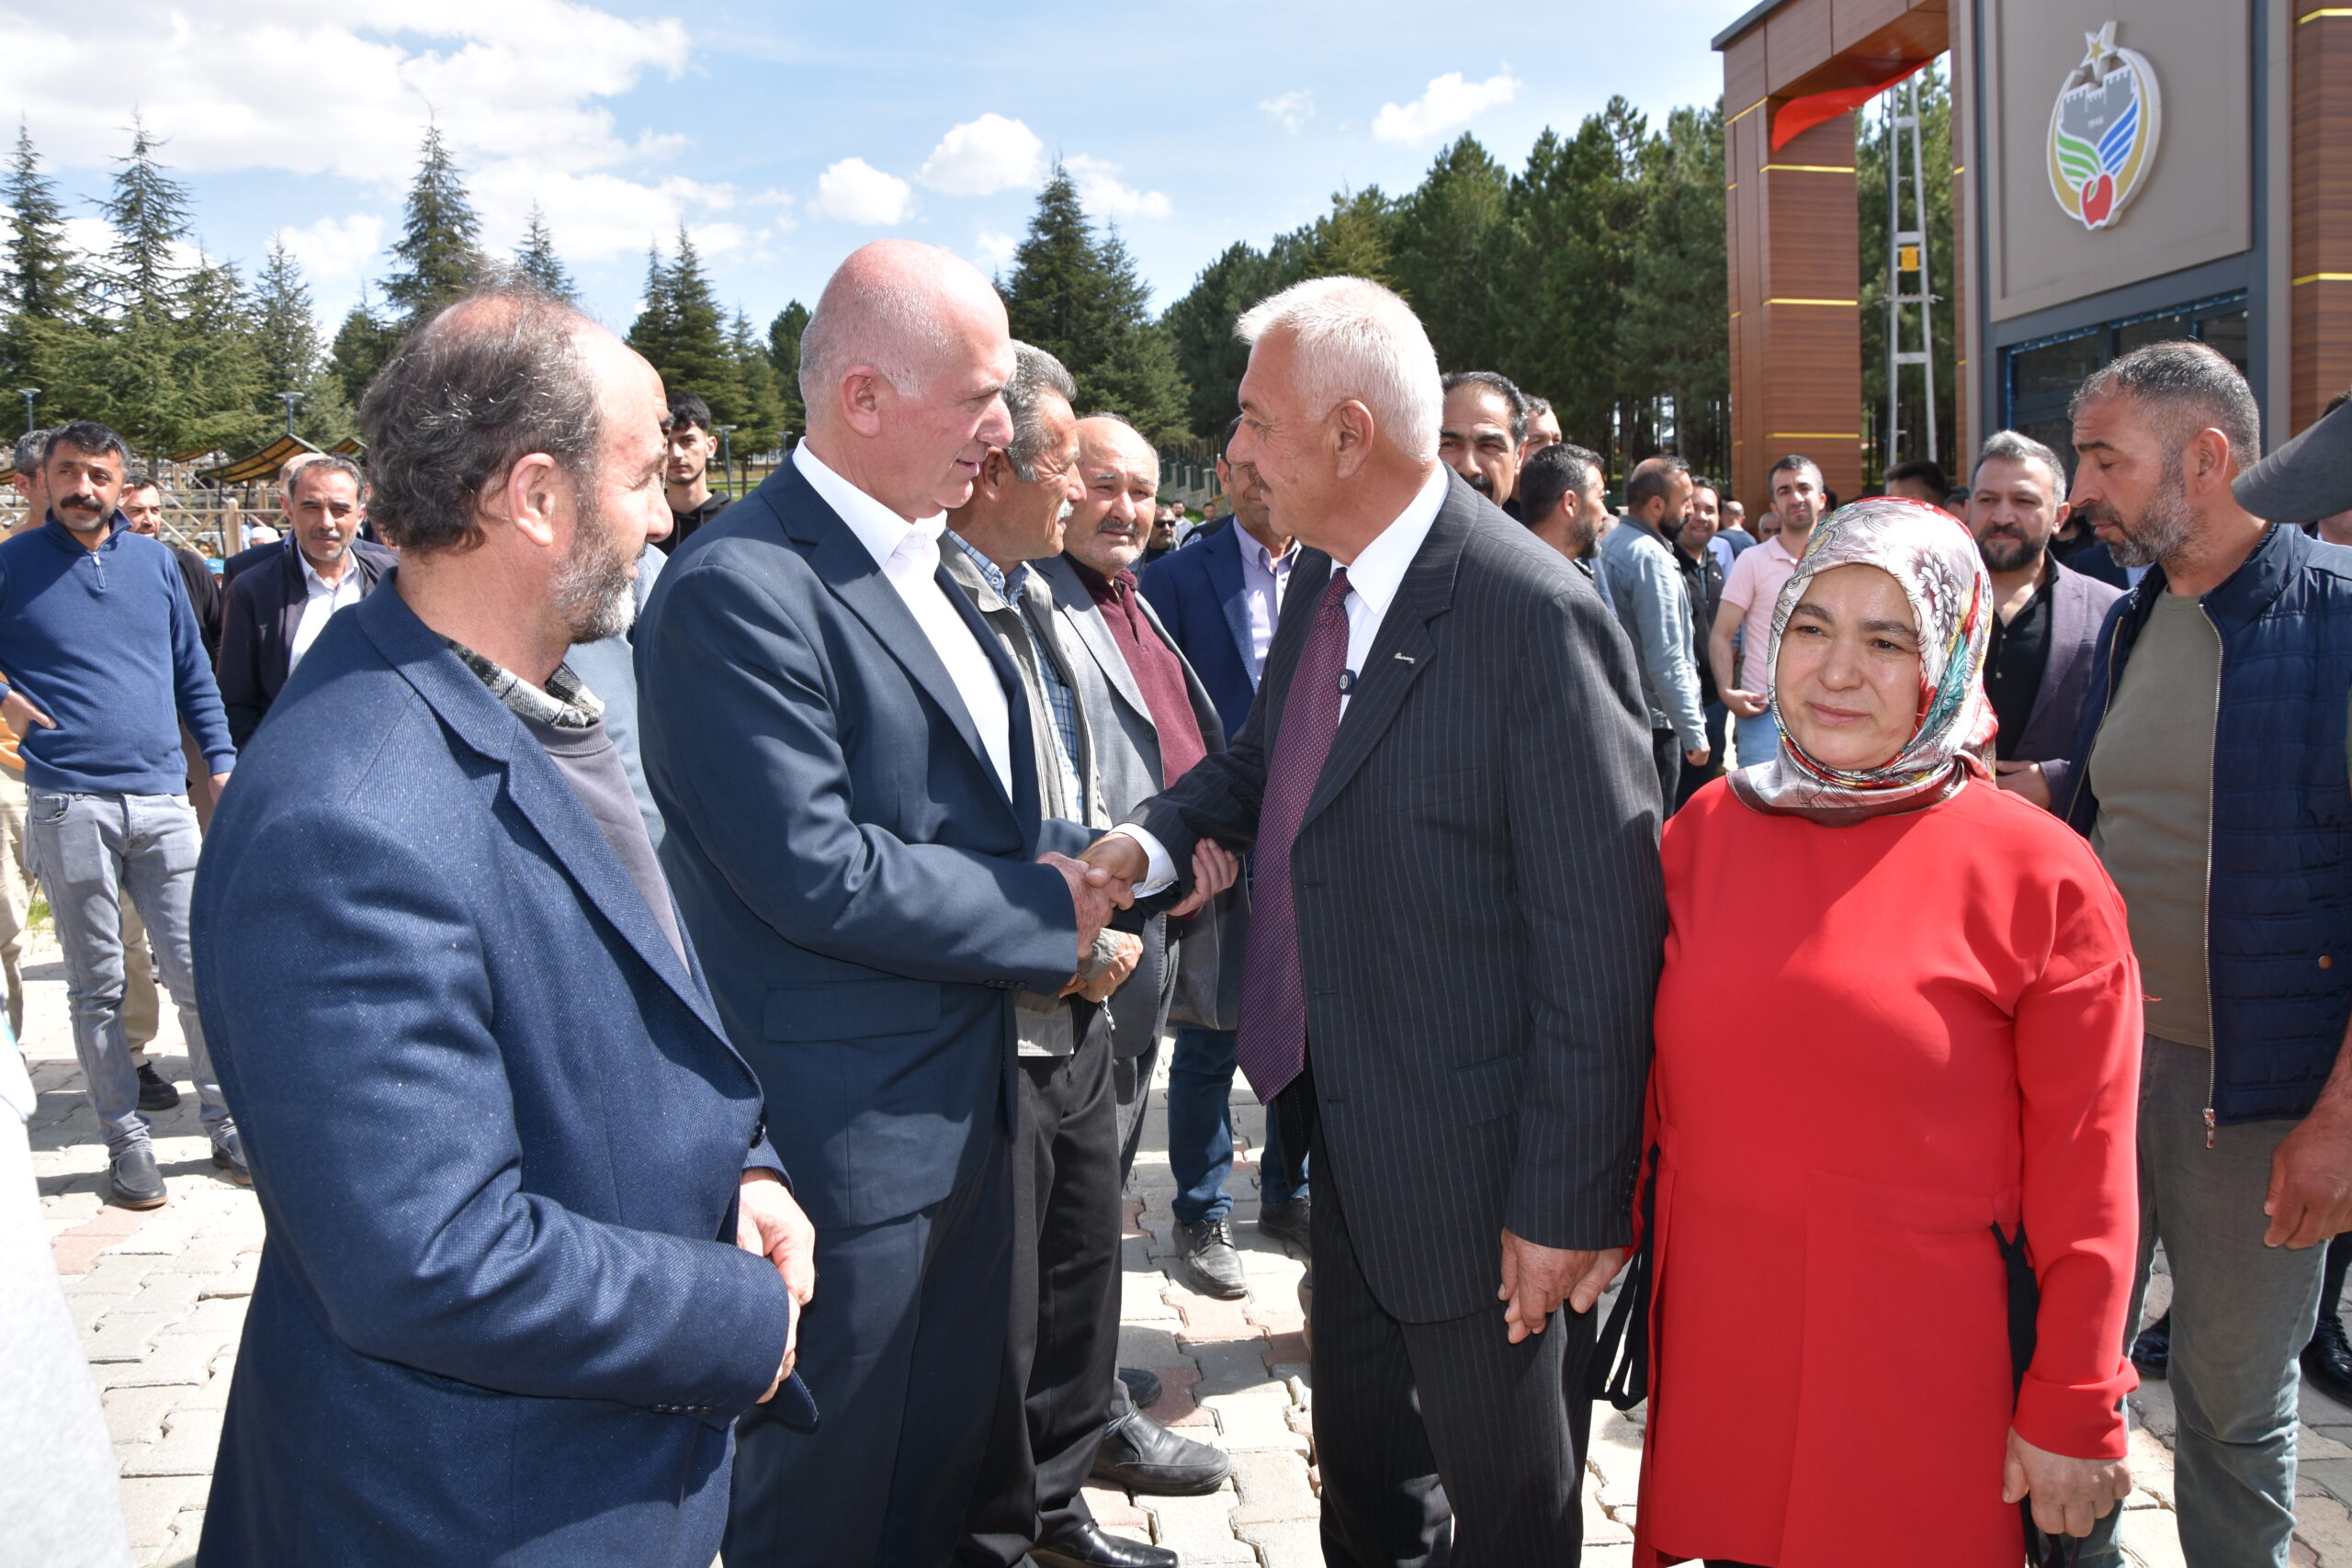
(1447, 785)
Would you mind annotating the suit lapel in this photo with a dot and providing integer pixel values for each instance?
(2066, 609)
(289, 613)
(848, 569)
(537, 788)
(1400, 652)
(1087, 622)
(1226, 580)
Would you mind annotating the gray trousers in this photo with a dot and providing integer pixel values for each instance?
(2241, 1315)
(91, 851)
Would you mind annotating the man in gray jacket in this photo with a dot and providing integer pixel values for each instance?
(1645, 588)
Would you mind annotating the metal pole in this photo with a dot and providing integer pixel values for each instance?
(727, 455)
(289, 400)
(1888, 140)
(28, 393)
(1927, 286)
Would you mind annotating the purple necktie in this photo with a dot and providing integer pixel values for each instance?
(1270, 1046)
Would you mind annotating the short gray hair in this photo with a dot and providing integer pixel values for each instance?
(31, 446)
(2187, 388)
(1358, 339)
(328, 463)
(1036, 375)
(487, 380)
(2015, 447)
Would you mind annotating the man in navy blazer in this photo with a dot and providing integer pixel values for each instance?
(273, 614)
(530, 1251)
(842, 754)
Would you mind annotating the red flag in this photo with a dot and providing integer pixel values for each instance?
(1798, 115)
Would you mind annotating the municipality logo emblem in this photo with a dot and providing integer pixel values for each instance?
(2103, 132)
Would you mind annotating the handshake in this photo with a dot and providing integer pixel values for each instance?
(1104, 879)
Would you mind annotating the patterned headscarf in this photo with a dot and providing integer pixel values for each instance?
(1931, 554)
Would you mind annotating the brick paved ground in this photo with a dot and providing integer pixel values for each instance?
(160, 1299)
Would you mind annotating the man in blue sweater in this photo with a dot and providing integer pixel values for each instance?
(103, 662)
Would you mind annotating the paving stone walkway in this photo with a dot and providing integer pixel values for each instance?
(160, 1300)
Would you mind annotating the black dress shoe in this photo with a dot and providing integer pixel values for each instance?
(2327, 1360)
(1143, 1387)
(155, 1092)
(1209, 1258)
(229, 1154)
(2151, 1352)
(1138, 1454)
(1287, 1222)
(1091, 1546)
(136, 1181)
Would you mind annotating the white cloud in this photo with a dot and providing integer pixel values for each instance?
(1105, 197)
(856, 191)
(1448, 103)
(335, 250)
(1291, 109)
(997, 249)
(983, 156)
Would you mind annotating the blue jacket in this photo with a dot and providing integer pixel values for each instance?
(2279, 911)
(105, 642)
(864, 890)
(496, 1135)
(1197, 592)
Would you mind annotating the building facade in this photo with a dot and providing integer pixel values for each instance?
(2124, 171)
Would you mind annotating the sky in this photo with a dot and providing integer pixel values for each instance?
(783, 135)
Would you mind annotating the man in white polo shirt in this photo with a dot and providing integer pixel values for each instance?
(1750, 593)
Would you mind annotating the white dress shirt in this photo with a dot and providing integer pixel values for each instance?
(321, 600)
(907, 553)
(1373, 578)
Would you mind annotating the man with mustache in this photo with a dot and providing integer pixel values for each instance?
(2046, 619)
(2211, 779)
(103, 660)
(1479, 434)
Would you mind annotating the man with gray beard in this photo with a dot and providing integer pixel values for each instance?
(2211, 779)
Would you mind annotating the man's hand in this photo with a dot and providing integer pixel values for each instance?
(1214, 867)
(2024, 780)
(2310, 1176)
(22, 717)
(1536, 1279)
(769, 1224)
(1124, 861)
(1093, 894)
(2067, 1493)
(1128, 951)
(1697, 756)
(1747, 705)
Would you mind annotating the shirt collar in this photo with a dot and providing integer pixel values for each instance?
(878, 529)
(1264, 559)
(1379, 568)
(317, 584)
(1006, 583)
(1782, 550)
(564, 704)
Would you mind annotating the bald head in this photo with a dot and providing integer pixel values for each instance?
(903, 369)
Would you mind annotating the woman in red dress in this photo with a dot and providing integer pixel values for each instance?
(1899, 1009)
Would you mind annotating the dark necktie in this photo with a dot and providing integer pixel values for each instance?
(1271, 1047)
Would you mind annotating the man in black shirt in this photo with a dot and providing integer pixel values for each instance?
(2046, 616)
(685, 470)
(1703, 579)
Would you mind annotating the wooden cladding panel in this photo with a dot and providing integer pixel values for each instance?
(1796, 40)
(1744, 77)
(2320, 222)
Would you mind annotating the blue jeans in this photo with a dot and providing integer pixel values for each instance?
(89, 852)
(1757, 739)
(1200, 1130)
(2241, 1315)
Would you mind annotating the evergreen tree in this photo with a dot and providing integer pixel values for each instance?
(538, 261)
(1673, 342)
(41, 276)
(286, 336)
(361, 345)
(760, 414)
(148, 211)
(682, 335)
(784, 352)
(1079, 299)
(439, 249)
(1446, 255)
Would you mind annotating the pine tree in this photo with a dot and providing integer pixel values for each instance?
(680, 333)
(439, 249)
(286, 336)
(42, 278)
(1079, 298)
(148, 211)
(1446, 253)
(784, 352)
(759, 416)
(361, 345)
(538, 261)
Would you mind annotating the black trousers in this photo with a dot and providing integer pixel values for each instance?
(1062, 1339)
(1668, 752)
(902, 1350)
(1419, 1425)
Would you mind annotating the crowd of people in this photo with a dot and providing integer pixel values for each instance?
(683, 978)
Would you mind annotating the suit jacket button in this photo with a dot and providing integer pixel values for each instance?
(2325, 962)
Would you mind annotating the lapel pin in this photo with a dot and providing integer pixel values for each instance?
(1404, 659)
(1347, 682)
